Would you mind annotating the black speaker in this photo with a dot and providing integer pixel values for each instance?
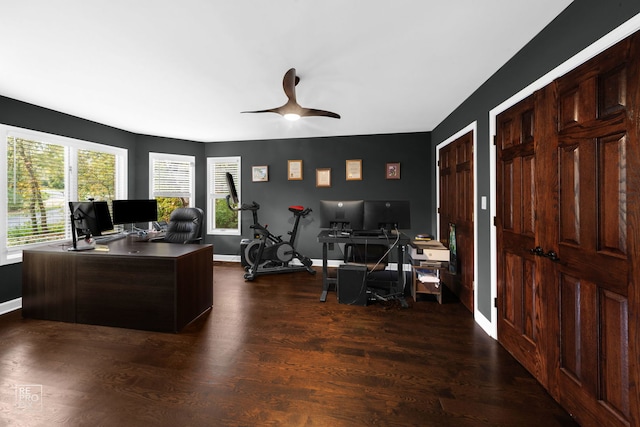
(352, 284)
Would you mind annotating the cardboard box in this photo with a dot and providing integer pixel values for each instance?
(431, 250)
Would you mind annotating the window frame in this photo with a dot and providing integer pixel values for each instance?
(212, 197)
(13, 255)
(153, 156)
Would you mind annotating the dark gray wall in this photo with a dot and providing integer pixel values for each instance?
(276, 195)
(579, 26)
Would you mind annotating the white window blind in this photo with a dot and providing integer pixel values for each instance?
(42, 173)
(218, 178)
(172, 175)
(36, 208)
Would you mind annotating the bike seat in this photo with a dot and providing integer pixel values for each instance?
(296, 208)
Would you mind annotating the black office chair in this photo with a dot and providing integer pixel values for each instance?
(185, 226)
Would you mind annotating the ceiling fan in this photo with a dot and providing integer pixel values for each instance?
(292, 110)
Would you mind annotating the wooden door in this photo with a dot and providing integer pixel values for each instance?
(456, 206)
(568, 232)
(519, 283)
(596, 133)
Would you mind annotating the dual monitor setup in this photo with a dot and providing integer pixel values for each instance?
(365, 216)
(92, 218)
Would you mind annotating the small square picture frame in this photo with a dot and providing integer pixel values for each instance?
(354, 170)
(260, 173)
(294, 170)
(392, 170)
(323, 177)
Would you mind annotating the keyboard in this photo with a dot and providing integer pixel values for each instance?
(109, 238)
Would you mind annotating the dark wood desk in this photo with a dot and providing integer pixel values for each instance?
(327, 237)
(135, 284)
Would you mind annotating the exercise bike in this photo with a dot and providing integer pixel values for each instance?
(267, 253)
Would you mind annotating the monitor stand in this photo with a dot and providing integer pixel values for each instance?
(83, 245)
(339, 232)
(88, 244)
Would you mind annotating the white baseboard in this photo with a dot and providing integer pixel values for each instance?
(8, 306)
(485, 324)
(226, 258)
(316, 262)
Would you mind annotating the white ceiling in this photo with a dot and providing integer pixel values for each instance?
(186, 69)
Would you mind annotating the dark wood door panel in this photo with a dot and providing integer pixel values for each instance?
(571, 314)
(517, 194)
(519, 299)
(457, 206)
(518, 308)
(612, 187)
(592, 187)
(595, 90)
(594, 357)
(595, 135)
(519, 312)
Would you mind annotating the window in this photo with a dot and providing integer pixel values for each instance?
(42, 173)
(172, 182)
(222, 220)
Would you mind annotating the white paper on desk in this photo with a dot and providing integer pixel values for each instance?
(428, 278)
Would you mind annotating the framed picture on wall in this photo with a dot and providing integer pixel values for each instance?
(354, 170)
(393, 171)
(260, 173)
(294, 170)
(323, 177)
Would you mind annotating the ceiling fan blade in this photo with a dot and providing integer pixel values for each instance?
(270, 110)
(308, 112)
(289, 83)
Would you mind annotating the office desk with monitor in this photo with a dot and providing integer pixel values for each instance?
(127, 283)
(328, 237)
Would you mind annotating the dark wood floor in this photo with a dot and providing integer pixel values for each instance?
(269, 353)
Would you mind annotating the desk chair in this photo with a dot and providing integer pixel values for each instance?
(185, 226)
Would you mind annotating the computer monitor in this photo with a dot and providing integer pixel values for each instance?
(90, 218)
(134, 211)
(103, 216)
(387, 215)
(344, 215)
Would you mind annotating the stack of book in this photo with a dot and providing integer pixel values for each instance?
(423, 237)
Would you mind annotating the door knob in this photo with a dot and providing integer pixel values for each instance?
(538, 251)
(552, 256)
